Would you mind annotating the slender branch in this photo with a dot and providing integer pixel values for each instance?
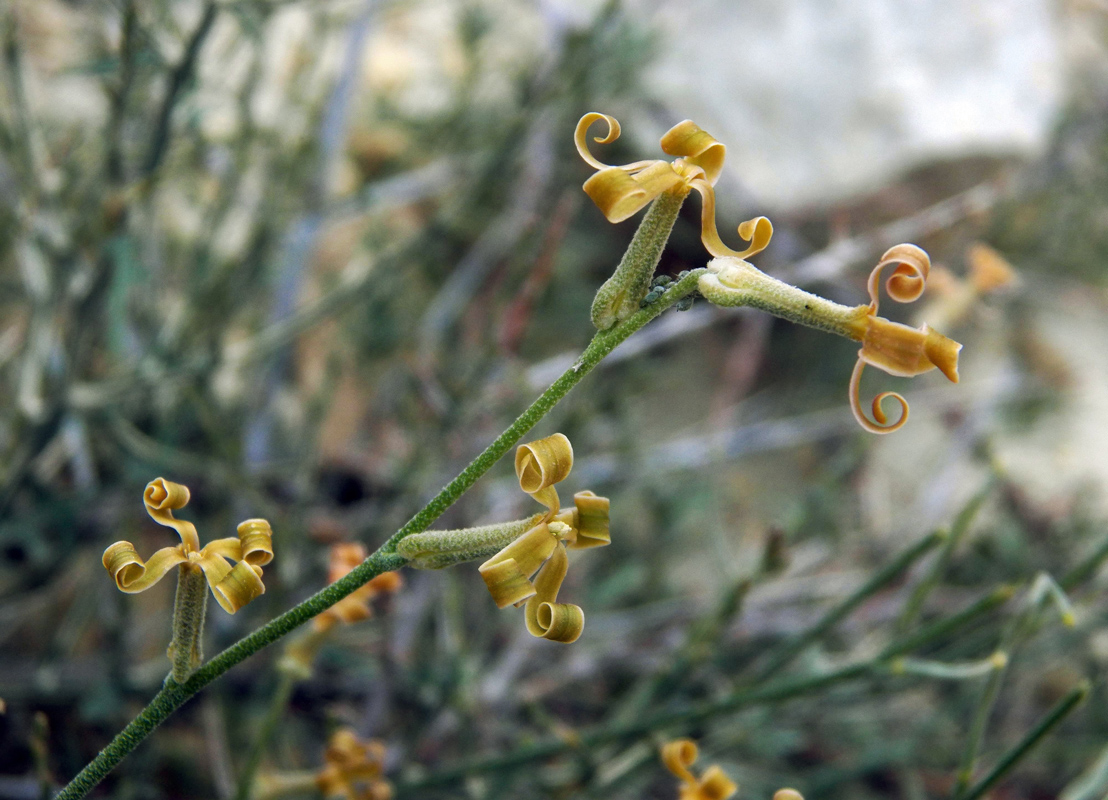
(644, 724)
(1054, 717)
(173, 695)
(277, 704)
(878, 581)
(181, 75)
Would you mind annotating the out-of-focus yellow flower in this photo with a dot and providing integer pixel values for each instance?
(355, 606)
(621, 192)
(714, 784)
(353, 768)
(540, 465)
(233, 586)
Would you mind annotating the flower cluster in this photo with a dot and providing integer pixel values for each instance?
(355, 606)
(731, 280)
(539, 466)
(233, 586)
(353, 768)
(714, 784)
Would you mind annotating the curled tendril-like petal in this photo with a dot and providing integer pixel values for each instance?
(881, 425)
(131, 574)
(620, 195)
(696, 147)
(580, 138)
(908, 280)
(714, 784)
(591, 519)
(545, 617)
(256, 538)
(757, 231)
(237, 587)
(162, 498)
(507, 574)
(541, 464)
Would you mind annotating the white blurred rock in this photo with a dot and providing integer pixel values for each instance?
(820, 99)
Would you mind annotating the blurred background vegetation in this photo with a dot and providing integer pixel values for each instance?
(309, 257)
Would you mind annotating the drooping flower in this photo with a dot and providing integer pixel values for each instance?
(714, 784)
(508, 574)
(232, 567)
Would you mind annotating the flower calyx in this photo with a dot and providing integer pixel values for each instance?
(542, 548)
(232, 566)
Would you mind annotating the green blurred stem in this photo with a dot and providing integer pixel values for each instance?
(174, 694)
(878, 581)
(682, 718)
(914, 607)
(1064, 707)
(277, 704)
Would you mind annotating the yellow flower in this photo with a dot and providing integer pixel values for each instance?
(539, 465)
(232, 586)
(620, 192)
(353, 768)
(896, 348)
(355, 606)
(714, 784)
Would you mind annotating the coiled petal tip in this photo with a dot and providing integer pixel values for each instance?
(164, 495)
(256, 538)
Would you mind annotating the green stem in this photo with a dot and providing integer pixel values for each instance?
(277, 704)
(384, 559)
(1009, 760)
(185, 648)
(644, 724)
(878, 581)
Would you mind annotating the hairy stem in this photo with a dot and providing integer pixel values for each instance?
(185, 648)
(384, 559)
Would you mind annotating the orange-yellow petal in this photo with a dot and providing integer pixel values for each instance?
(238, 587)
(591, 519)
(620, 195)
(697, 147)
(161, 498)
(256, 537)
(543, 463)
(131, 574)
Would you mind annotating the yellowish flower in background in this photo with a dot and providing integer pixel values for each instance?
(539, 466)
(355, 606)
(714, 784)
(353, 768)
(233, 586)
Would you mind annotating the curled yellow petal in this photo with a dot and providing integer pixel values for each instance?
(678, 756)
(757, 231)
(580, 136)
(131, 574)
(908, 279)
(697, 147)
(714, 784)
(591, 519)
(547, 583)
(905, 351)
(241, 584)
(256, 537)
(161, 498)
(507, 574)
(787, 794)
(558, 622)
(620, 195)
(881, 425)
(543, 463)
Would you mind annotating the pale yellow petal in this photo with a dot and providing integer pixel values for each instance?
(591, 519)
(161, 498)
(507, 574)
(714, 784)
(131, 574)
(256, 537)
(757, 231)
(881, 425)
(620, 195)
(678, 756)
(238, 587)
(543, 463)
(908, 280)
(697, 147)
